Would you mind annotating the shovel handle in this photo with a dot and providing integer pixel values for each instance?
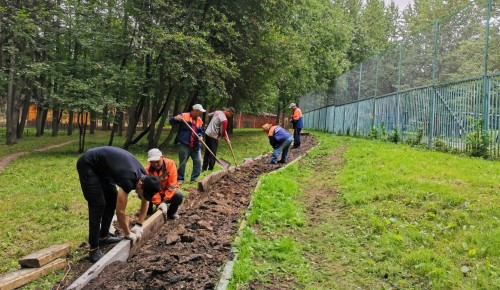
(206, 147)
(231, 148)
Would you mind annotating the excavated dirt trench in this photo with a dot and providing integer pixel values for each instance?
(190, 252)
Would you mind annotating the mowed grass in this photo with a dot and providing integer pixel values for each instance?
(30, 142)
(41, 202)
(390, 216)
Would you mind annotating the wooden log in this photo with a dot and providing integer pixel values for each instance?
(24, 276)
(44, 256)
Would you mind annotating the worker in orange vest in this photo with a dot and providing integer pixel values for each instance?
(189, 142)
(169, 192)
(280, 140)
(298, 124)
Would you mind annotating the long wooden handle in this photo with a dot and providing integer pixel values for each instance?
(194, 132)
(231, 148)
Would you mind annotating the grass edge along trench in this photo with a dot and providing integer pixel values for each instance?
(362, 214)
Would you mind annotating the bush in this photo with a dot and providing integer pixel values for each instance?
(478, 141)
(394, 136)
(441, 146)
(418, 138)
(373, 133)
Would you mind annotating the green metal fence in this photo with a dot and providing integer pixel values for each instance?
(441, 84)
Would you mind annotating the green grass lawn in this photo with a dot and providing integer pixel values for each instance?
(41, 202)
(359, 214)
(30, 142)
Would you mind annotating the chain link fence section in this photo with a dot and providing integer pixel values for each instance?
(440, 85)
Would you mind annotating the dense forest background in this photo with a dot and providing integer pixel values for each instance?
(146, 59)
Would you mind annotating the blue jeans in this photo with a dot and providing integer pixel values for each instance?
(184, 153)
(282, 147)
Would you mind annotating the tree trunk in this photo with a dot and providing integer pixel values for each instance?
(136, 112)
(24, 115)
(82, 125)
(56, 118)
(41, 116)
(105, 118)
(164, 117)
(93, 121)
(146, 114)
(12, 104)
(156, 104)
(71, 120)
(120, 123)
(174, 130)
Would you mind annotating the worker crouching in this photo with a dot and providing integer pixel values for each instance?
(280, 140)
(169, 192)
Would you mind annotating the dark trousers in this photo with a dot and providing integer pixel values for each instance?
(100, 194)
(174, 203)
(208, 159)
(296, 137)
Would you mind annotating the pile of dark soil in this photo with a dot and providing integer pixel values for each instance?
(189, 253)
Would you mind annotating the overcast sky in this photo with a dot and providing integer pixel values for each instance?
(401, 3)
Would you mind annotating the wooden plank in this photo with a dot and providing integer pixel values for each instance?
(120, 252)
(44, 256)
(150, 228)
(24, 276)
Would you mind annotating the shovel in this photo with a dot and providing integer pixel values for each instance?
(225, 164)
(231, 148)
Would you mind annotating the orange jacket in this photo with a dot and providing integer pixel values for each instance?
(168, 180)
(296, 119)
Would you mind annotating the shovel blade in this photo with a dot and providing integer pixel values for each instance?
(224, 163)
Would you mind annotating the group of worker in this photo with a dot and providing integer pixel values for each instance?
(102, 169)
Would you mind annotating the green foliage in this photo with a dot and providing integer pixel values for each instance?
(373, 134)
(417, 139)
(348, 131)
(478, 141)
(441, 146)
(394, 136)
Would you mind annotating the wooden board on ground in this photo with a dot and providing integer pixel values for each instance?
(150, 228)
(24, 276)
(120, 252)
(212, 178)
(44, 256)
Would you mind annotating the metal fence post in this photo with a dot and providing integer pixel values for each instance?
(399, 86)
(375, 91)
(486, 89)
(359, 99)
(432, 109)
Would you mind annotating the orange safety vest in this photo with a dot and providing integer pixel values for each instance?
(168, 180)
(270, 133)
(297, 113)
(197, 126)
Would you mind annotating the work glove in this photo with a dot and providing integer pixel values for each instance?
(132, 237)
(163, 207)
(137, 230)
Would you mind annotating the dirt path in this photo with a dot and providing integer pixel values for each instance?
(5, 160)
(188, 253)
